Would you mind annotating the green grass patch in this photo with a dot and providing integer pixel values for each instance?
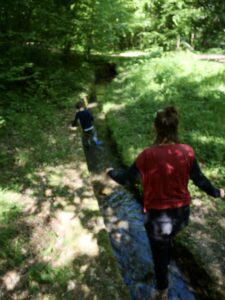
(196, 87)
(10, 241)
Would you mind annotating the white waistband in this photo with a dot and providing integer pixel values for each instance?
(89, 128)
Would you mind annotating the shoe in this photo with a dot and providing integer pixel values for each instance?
(160, 295)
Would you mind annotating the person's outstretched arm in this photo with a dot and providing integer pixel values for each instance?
(202, 182)
(74, 123)
(125, 177)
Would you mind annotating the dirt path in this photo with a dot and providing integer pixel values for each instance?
(212, 57)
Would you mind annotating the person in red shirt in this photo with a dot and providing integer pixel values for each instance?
(165, 170)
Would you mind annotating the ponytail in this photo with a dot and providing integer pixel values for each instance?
(166, 124)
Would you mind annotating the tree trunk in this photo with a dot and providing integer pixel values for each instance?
(192, 40)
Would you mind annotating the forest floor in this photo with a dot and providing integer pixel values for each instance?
(57, 246)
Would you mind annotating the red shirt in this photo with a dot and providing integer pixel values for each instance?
(165, 173)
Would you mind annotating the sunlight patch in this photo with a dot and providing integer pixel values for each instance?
(132, 54)
(207, 139)
(87, 245)
(113, 106)
(11, 279)
(221, 88)
(9, 196)
(65, 174)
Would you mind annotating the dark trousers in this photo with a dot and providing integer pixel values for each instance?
(162, 226)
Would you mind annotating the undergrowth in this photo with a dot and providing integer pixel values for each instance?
(33, 117)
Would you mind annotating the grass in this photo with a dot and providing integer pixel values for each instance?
(32, 137)
(11, 244)
(197, 89)
(51, 247)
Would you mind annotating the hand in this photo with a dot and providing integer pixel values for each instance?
(109, 170)
(72, 128)
(222, 193)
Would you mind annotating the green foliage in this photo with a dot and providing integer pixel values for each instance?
(212, 23)
(42, 273)
(195, 87)
(10, 211)
(172, 22)
(103, 25)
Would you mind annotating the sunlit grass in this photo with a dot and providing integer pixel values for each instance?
(11, 244)
(195, 87)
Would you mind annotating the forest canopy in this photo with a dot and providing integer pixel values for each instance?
(33, 31)
(103, 25)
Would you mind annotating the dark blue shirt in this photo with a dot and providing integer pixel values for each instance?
(85, 118)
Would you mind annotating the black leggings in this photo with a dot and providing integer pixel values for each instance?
(161, 226)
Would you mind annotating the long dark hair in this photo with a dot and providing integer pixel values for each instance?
(166, 124)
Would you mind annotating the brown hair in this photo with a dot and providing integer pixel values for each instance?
(80, 104)
(166, 124)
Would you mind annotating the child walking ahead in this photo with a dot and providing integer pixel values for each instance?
(85, 119)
